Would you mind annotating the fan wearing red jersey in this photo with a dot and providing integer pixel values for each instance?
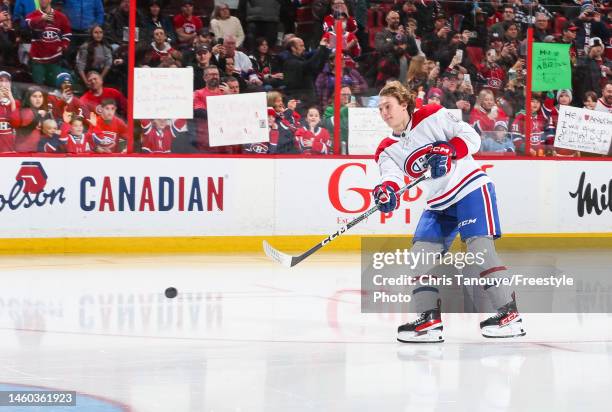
(313, 138)
(74, 138)
(461, 199)
(8, 105)
(97, 93)
(51, 35)
(109, 132)
(158, 134)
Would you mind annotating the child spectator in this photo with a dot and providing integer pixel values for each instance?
(312, 138)
(158, 134)
(49, 137)
(542, 130)
(28, 119)
(74, 138)
(109, 132)
(434, 95)
(497, 141)
(160, 50)
(590, 100)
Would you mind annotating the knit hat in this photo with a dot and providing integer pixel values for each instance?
(564, 91)
(502, 124)
(63, 78)
(6, 74)
(587, 6)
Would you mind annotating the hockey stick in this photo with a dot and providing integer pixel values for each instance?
(290, 261)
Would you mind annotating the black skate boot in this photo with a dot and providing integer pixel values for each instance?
(507, 323)
(427, 328)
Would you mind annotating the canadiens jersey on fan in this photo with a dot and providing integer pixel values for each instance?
(407, 155)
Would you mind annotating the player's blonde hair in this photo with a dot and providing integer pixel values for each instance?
(401, 93)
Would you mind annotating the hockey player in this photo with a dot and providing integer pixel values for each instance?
(461, 200)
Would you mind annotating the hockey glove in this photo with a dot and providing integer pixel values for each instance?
(385, 197)
(440, 159)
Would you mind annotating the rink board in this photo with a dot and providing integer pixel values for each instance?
(86, 204)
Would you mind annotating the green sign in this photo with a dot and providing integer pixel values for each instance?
(551, 68)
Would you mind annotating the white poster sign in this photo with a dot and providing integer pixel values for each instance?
(584, 130)
(237, 119)
(366, 130)
(163, 93)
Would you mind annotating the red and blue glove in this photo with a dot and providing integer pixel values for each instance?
(385, 196)
(440, 159)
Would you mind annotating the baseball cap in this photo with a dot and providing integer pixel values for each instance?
(570, 26)
(434, 92)
(440, 16)
(205, 31)
(450, 74)
(595, 41)
(202, 49)
(6, 74)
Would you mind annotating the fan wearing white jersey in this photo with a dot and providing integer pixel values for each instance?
(461, 199)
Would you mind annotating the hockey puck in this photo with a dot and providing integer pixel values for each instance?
(171, 293)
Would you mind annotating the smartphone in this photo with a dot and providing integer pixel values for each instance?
(466, 79)
(220, 41)
(512, 75)
(459, 54)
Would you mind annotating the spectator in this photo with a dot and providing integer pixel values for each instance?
(312, 138)
(204, 58)
(7, 36)
(28, 119)
(300, 72)
(159, 134)
(223, 24)
(230, 71)
(411, 30)
(97, 93)
(74, 138)
(326, 80)
(568, 36)
(186, 25)
(49, 137)
(94, 55)
(350, 43)
(155, 19)
(82, 15)
(230, 85)
(22, 8)
(590, 100)
(266, 65)
(589, 26)
(497, 141)
(434, 95)
(604, 104)
(242, 63)
(542, 29)
(491, 74)
(592, 72)
(109, 132)
(394, 48)
(288, 115)
(541, 126)
(453, 97)
(262, 17)
(339, 11)
(161, 51)
(50, 39)
(8, 105)
(346, 101)
(116, 27)
(508, 16)
(63, 100)
(212, 81)
(282, 138)
(320, 9)
(486, 112)
(525, 11)
(417, 78)
(511, 33)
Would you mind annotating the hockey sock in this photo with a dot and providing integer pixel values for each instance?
(492, 268)
(424, 295)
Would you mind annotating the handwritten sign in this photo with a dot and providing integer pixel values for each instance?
(366, 130)
(237, 119)
(551, 67)
(584, 130)
(163, 93)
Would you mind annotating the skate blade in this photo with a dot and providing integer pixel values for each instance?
(431, 336)
(513, 330)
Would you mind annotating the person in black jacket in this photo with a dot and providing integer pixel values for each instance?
(593, 71)
(299, 73)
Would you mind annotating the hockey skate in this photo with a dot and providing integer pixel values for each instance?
(506, 323)
(426, 329)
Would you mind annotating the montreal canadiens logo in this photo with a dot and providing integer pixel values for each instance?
(494, 83)
(50, 35)
(416, 163)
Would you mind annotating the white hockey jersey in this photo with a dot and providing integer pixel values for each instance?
(407, 155)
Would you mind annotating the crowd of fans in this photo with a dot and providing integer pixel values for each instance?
(469, 56)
